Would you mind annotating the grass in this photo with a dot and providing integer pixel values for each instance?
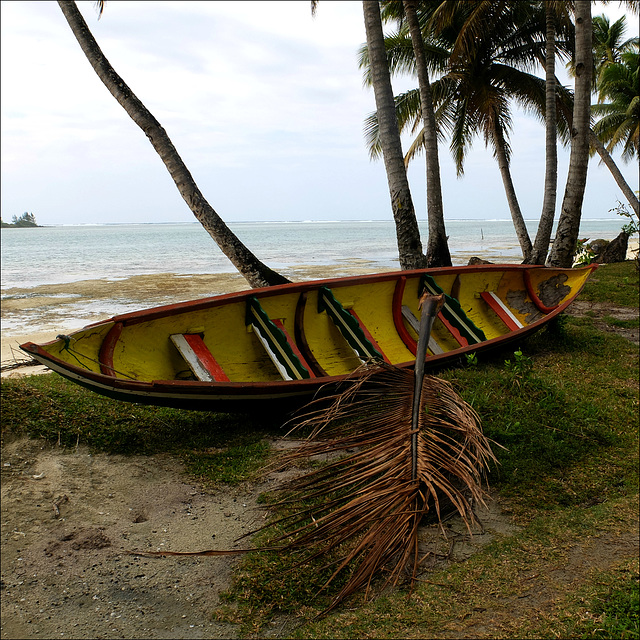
(615, 283)
(564, 412)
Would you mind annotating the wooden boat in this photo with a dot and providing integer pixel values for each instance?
(280, 345)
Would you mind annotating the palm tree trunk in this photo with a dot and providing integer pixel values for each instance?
(407, 231)
(564, 245)
(253, 270)
(438, 254)
(545, 226)
(514, 207)
(605, 156)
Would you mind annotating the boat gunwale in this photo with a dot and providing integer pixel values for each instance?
(273, 389)
(154, 313)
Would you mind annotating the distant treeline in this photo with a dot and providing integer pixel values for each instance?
(25, 220)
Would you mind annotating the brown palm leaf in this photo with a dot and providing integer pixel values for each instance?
(403, 444)
(373, 497)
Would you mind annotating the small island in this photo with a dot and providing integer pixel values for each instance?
(25, 220)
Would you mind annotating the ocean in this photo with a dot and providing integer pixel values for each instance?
(59, 278)
(63, 254)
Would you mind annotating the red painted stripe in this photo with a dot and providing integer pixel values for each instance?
(398, 320)
(534, 296)
(460, 339)
(500, 312)
(105, 356)
(206, 359)
(294, 347)
(368, 336)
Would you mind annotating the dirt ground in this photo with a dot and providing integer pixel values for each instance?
(598, 311)
(74, 525)
(71, 524)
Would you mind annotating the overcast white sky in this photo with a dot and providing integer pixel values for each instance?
(264, 103)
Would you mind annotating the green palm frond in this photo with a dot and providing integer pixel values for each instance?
(367, 505)
(399, 54)
(619, 116)
(407, 113)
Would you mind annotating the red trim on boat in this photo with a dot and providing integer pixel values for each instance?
(398, 320)
(500, 312)
(534, 296)
(294, 347)
(301, 337)
(458, 337)
(105, 356)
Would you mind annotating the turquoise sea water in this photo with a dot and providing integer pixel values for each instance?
(60, 254)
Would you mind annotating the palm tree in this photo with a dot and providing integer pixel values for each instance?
(556, 15)
(618, 108)
(475, 94)
(608, 49)
(437, 247)
(619, 124)
(566, 238)
(407, 231)
(255, 272)
(497, 45)
(608, 45)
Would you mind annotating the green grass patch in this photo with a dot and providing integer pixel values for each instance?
(499, 592)
(615, 283)
(616, 607)
(563, 419)
(633, 323)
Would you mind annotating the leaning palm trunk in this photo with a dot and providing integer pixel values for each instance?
(255, 272)
(438, 254)
(606, 158)
(545, 226)
(507, 181)
(564, 245)
(407, 230)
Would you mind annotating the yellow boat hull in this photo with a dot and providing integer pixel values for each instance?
(282, 344)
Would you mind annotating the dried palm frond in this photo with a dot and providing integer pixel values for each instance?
(403, 445)
(390, 475)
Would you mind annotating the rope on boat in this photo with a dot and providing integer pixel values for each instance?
(67, 340)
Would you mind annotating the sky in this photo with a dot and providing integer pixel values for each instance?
(264, 103)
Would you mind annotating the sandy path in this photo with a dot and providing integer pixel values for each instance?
(74, 574)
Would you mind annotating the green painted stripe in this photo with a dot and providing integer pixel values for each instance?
(347, 325)
(454, 313)
(278, 346)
